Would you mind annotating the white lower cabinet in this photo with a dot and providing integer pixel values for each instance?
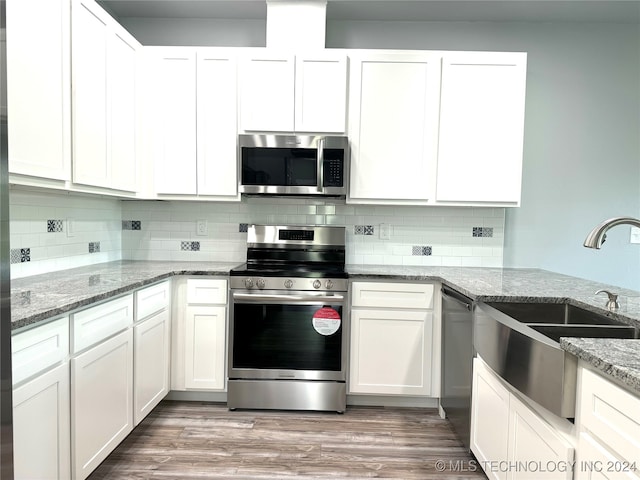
(509, 439)
(489, 418)
(41, 404)
(151, 348)
(392, 345)
(205, 347)
(101, 401)
(608, 419)
(41, 439)
(152, 343)
(199, 334)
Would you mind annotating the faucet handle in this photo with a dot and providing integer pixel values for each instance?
(612, 304)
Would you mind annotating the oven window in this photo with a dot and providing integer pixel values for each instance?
(283, 337)
(279, 166)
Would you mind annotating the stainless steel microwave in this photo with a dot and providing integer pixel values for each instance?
(293, 164)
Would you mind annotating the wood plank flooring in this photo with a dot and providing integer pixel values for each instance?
(185, 440)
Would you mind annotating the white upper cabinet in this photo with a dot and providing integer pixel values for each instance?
(393, 112)
(192, 121)
(173, 120)
(122, 117)
(217, 112)
(39, 88)
(104, 107)
(293, 93)
(321, 93)
(481, 128)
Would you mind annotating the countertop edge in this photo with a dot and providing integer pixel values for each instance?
(597, 353)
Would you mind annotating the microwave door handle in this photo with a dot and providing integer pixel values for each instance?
(320, 166)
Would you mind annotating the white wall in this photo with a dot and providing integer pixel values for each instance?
(197, 31)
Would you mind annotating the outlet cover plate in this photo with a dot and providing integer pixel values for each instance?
(385, 231)
(201, 227)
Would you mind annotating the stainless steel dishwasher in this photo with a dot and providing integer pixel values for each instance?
(457, 358)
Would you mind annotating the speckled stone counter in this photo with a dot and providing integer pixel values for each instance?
(39, 297)
(513, 284)
(44, 296)
(616, 358)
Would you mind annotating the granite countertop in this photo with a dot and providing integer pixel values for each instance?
(514, 284)
(40, 297)
(619, 359)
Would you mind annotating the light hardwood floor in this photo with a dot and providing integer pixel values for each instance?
(184, 440)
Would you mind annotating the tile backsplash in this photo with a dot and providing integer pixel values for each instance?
(57, 231)
(454, 236)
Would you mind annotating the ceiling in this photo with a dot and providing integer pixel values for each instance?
(623, 11)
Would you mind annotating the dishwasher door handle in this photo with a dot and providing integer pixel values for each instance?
(465, 304)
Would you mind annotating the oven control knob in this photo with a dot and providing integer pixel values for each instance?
(248, 282)
(288, 283)
(260, 283)
(328, 285)
(316, 284)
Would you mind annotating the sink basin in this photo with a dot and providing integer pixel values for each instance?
(555, 320)
(552, 313)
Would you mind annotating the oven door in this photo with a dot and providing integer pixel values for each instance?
(287, 335)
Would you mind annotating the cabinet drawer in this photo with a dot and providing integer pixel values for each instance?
(612, 414)
(206, 291)
(97, 323)
(392, 295)
(595, 462)
(35, 350)
(152, 300)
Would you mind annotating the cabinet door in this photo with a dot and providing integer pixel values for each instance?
(39, 88)
(533, 440)
(217, 124)
(41, 427)
(489, 419)
(321, 93)
(481, 127)
(101, 401)
(205, 347)
(391, 352)
(394, 107)
(89, 70)
(151, 363)
(267, 92)
(122, 114)
(174, 139)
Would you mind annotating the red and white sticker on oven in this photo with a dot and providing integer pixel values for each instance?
(326, 321)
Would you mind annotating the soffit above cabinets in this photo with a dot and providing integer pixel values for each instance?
(601, 11)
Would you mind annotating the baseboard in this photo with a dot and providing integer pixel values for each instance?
(354, 400)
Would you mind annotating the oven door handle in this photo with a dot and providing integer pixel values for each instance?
(260, 298)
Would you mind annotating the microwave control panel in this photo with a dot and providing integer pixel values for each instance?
(333, 172)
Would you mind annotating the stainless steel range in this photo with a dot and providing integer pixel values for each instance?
(287, 334)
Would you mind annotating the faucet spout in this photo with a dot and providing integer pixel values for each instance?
(597, 236)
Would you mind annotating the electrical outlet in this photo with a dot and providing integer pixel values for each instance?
(635, 235)
(201, 227)
(385, 231)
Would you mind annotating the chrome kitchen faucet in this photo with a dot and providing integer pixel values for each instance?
(597, 236)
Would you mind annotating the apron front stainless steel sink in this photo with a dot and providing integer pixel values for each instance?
(520, 342)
